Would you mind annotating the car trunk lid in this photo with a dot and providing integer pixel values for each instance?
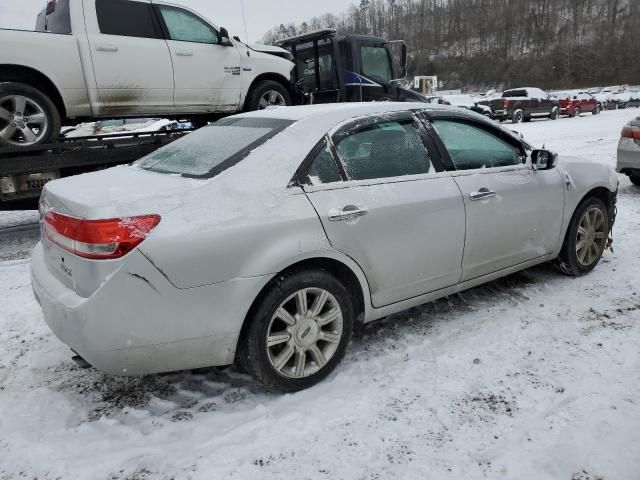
(89, 223)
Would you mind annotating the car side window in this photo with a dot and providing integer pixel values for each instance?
(184, 26)
(386, 149)
(472, 147)
(323, 168)
(126, 18)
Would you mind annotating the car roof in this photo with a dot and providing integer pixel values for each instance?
(345, 110)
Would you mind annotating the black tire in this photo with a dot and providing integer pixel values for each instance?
(518, 116)
(53, 123)
(262, 88)
(567, 262)
(555, 113)
(200, 121)
(252, 354)
(635, 179)
(596, 111)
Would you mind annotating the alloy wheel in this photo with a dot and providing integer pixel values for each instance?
(22, 120)
(592, 236)
(304, 333)
(271, 98)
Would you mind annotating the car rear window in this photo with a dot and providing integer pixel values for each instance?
(514, 93)
(212, 149)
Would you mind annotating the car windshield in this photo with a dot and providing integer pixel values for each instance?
(212, 149)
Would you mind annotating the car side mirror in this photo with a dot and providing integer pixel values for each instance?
(403, 60)
(224, 38)
(543, 159)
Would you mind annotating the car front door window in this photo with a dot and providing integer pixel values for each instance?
(183, 26)
(471, 147)
(376, 64)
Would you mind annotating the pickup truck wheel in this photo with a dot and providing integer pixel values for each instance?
(518, 116)
(27, 116)
(555, 113)
(586, 238)
(266, 94)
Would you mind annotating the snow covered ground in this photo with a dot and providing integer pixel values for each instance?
(535, 376)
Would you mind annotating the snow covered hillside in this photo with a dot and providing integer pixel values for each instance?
(535, 376)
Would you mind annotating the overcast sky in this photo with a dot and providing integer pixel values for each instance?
(261, 14)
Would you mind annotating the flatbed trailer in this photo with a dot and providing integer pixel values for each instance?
(25, 170)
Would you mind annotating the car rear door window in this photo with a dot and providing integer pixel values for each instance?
(126, 18)
(472, 147)
(382, 150)
(183, 26)
(323, 168)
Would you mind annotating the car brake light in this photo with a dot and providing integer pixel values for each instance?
(631, 132)
(505, 103)
(98, 239)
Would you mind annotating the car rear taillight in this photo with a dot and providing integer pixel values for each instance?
(505, 103)
(631, 131)
(98, 239)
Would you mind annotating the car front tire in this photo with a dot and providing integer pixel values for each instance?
(268, 93)
(586, 238)
(555, 113)
(298, 331)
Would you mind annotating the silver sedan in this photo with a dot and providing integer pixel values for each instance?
(264, 238)
(629, 151)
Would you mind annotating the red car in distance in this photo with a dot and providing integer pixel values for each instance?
(574, 104)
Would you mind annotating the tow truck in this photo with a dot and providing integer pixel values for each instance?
(329, 68)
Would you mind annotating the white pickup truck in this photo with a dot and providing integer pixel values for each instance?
(91, 59)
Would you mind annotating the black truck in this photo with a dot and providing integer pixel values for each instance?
(523, 104)
(331, 68)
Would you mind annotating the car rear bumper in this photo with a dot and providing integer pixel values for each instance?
(628, 156)
(137, 322)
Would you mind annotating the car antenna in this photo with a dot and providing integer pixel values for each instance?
(244, 21)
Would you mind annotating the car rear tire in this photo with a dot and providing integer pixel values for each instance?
(266, 94)
(635, 179)
(586, 238)
(555, 113)
(27, 116)
(298, 331)
(518, 116)
(596, 111)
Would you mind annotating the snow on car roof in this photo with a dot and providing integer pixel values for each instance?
(347, 109)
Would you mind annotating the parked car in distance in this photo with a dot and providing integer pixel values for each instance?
(523, 104)
(264, 237)
(573, 104)
(634, 99)
(122, 58)
(470, 103)
(628, 161)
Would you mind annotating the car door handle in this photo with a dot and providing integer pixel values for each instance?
(106, 48)
(184, 53)
(482, 194)
(347, 213)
